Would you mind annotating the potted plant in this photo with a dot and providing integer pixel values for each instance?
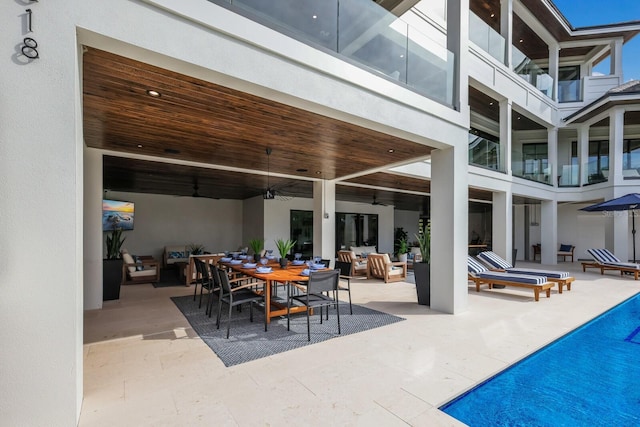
(195, 249)
(422, 268)
(112, 265)
(403, 249)
(284, 247)
(256, 245)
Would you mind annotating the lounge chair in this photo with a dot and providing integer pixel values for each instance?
(358, 265)
(605, 260)
(381, 267)
(497, 263)
(480, 275)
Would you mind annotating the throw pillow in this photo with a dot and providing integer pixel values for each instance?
(565, 248)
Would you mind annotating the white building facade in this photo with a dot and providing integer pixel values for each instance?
(539, 135)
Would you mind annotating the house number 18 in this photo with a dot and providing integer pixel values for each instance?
(29, 44)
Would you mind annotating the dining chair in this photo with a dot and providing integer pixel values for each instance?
(241, 294)
(319, 283)
(345, 275)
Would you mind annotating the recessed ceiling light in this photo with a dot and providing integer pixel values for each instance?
(521, 40)
(491, 103)
(315, 16)
(318, 172)
(390, 150)
(302, 170)
(153, 93)
(139, 145)
(493, 14)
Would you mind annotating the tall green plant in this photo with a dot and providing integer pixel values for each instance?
(284, 246)
(114, 243)
(424, 242)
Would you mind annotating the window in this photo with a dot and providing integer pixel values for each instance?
(354, 229)
(302, 232)
(598, 166)
(631, 159)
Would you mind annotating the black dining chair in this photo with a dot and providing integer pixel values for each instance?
(345, 276)
(241, 294)
(315, 297)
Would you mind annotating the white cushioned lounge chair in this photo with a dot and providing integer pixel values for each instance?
(497, 263)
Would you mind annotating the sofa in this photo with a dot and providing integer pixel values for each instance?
(363, 251)
(175, 253)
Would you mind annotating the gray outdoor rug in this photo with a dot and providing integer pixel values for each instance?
(248, 341)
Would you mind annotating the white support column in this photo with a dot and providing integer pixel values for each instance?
(505, 135)
(549, 232)
(324, 220)
(92, 229)
(506, 29)
(616, 143)
(458, 44)
(616, 234)
(449, 229)
(552, 154)
(616, 59)
(554, 60)
(502, 225)
(583, 153)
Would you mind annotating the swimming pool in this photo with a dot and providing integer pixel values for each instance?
(589, 377)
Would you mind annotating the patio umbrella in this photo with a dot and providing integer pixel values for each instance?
(628, 202)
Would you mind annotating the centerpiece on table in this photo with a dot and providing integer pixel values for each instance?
(284, 247)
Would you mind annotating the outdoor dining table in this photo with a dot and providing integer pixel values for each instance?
(293, 273)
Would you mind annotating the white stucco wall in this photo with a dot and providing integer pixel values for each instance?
(41, 296)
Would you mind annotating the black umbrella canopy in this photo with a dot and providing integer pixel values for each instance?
(628, 202)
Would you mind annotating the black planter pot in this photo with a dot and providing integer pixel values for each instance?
(283, 262)
(422, 272)
(111, 277)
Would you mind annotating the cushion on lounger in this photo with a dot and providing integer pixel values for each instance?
(630, 265)
(510, 277)
(536, 272)
(494, 260)
(603, 256)
(474, 266)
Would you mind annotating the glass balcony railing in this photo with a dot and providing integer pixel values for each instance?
(595, 173)
(486, 37)
(366, 33)
(569, 176)
(532, 73)
(536, 169)
(569, 90)
(484, 153)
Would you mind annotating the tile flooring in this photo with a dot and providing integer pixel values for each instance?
(144, 366)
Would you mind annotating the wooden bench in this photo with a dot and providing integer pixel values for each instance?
(536, 287)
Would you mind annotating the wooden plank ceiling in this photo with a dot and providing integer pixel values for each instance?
(226, 133)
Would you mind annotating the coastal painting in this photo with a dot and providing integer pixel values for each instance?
(117, 214)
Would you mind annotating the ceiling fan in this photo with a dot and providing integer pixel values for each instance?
(270, 192)
(376, 203)
(196, 193)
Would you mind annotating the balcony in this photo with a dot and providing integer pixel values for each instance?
(532, 73)
(484, 152)
(365, 33)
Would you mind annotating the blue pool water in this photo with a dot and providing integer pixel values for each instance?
(589, 377)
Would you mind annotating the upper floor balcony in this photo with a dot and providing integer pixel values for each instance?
(363, 33)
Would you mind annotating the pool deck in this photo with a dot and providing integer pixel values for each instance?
(144, 365)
